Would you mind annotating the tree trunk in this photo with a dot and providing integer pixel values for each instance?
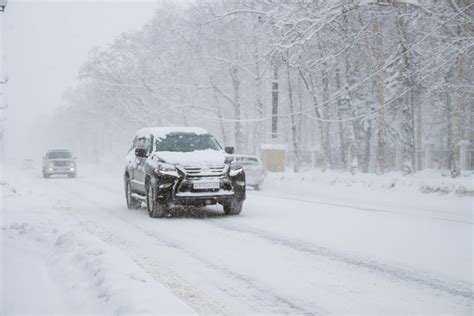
(259, 126)
(294, 135)
(275, 101)
(368, 139)
(408, 133)
(238, 130)
(219, 115)
(456, 120)
(351, 160)
(340, 110)
(322, 143)
(325, 109)
(380, 96)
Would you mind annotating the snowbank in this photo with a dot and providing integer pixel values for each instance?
(427, 181)
(114, 277)
(77, 272)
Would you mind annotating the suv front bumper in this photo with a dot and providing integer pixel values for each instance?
(202, 198)
(180, 191)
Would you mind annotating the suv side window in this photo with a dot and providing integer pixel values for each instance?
(148, 144)
(145, 143)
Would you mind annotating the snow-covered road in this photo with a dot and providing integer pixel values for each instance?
(283, 254)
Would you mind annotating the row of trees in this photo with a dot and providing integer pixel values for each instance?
(357, 81)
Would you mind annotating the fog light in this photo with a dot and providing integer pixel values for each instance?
(165, 185)
(241, 183)
(72, 169)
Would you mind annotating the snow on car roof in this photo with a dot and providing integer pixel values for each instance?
(161, 132)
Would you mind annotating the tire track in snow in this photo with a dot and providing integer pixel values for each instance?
(257, 292)
(367, 208)
(275, 302)
(424, 279)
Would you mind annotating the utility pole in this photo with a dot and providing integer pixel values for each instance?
(3, 81)
(275, 101)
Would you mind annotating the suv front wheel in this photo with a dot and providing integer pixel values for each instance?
(233, 207)
(154, 207)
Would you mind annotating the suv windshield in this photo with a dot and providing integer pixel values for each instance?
(59, 155)
(186, 143)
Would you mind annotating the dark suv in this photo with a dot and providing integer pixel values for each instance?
(181, 166)
(59, 161)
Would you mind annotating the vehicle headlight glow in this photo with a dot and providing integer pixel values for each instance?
(235, 168)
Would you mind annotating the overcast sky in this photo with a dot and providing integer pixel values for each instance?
(46, 42)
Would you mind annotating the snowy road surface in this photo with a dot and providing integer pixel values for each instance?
(71, 245)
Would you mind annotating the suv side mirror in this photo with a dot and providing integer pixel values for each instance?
(229, 150)
(140, 152)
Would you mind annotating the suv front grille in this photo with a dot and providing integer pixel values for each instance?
(211, 171)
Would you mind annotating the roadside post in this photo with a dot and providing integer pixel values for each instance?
(3, 5)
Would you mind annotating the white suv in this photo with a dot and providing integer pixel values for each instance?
(59, 161)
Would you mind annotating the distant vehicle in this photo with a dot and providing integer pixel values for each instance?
(28, 163)
(182, 166)
(254, 172)
(59, 161)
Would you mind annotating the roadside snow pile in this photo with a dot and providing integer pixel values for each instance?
(7, 189)
(427, 181)
(51, 265)
(91, 264)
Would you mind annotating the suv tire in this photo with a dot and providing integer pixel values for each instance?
(154, 207)
(132, 203)
(233, 208)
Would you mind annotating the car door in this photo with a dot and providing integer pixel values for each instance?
(131, 161)
(139, 173)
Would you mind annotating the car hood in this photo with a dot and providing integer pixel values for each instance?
(194, 158)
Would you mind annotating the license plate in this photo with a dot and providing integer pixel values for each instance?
(206, 185)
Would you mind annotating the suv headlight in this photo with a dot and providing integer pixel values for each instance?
(168, 169)
(235, 168)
